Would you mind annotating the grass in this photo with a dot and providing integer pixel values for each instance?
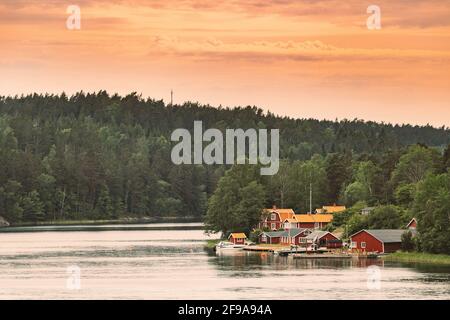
(210, 244)
(419, 257)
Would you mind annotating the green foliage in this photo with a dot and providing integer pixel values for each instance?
(404, 194)
(415, 164)
(385, 217)
(97, 156)
(238, 201)
(33, 209)
(355, 192)
(302, 176)
(356, 223)
(339, 172)
(408, 243)
(342, 218)
(432, 208)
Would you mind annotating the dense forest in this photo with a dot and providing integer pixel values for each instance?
(101, 156)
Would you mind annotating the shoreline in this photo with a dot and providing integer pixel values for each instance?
(126, 220)
(174, 223)
(418, 257)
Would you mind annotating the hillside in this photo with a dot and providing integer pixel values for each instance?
(96, 156)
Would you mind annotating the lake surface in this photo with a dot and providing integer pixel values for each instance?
(172, 264)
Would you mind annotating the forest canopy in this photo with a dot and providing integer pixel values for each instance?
(101, 156)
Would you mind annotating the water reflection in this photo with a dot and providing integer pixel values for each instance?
(172, 264)
(242, 260)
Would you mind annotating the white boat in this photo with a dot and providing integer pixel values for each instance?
(224, 245)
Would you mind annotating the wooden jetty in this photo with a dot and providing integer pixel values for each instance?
(261, 249)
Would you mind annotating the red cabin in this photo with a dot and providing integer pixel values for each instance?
(287, 237)
(237, 238)
(380, 241)
(322, 239)
(273, 219)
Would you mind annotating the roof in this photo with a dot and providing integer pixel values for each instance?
(293, 220)
(313, 218)
(412, 220)
(293, 232)
(283, 213)
(385, 235)
(274, 234)
(333, 209)
(286, 233)
(318, 234)
(238, 236)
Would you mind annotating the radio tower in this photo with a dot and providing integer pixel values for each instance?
(171, 97)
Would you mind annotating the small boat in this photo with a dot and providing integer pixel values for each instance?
(224, 245)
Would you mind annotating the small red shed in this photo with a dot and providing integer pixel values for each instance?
(237, 238)
(380, 241)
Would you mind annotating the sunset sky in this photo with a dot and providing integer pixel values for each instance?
(301, 58)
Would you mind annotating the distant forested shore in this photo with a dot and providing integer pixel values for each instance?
(95, 156)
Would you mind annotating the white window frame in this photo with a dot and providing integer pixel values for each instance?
(354, 244)
(273, 225)
(363, 245)
(264, 238)
(273, 217)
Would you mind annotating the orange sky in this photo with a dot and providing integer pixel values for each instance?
(302, 58)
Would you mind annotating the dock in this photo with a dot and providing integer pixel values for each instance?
(260, 249)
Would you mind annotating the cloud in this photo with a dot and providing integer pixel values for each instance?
(272, 51)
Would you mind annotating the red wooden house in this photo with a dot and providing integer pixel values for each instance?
(273, 237)
(286, 237)
(380, 241)
(321, 239)
(273, 219)
(237, 238)
(313, 221)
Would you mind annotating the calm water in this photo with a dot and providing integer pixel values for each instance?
(172, 264)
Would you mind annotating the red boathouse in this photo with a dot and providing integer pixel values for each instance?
(380, 241)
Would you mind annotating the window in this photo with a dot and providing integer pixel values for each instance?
(363, 245)
(273, 217)
(263, 238)
(273, 226)
(354, 244)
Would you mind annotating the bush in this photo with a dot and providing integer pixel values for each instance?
(408, 243)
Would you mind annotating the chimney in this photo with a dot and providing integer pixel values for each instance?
(274, 207)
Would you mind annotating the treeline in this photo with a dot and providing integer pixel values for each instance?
(97, 156)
